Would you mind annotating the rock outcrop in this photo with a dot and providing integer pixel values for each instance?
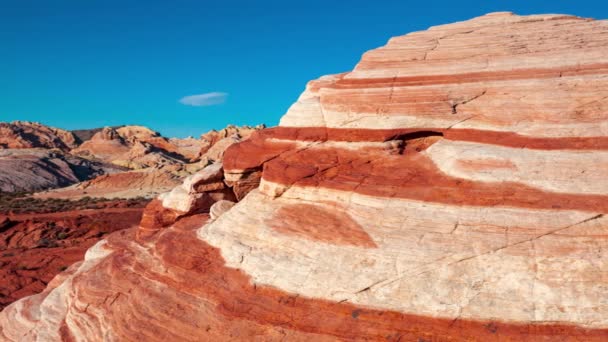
(198, 193)
(139, 147)
(27, 170)
(83, 135)
(214, 142)
(451, 187)
(134, 147)
(23, 134)
(129, 184)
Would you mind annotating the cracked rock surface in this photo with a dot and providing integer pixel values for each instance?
(451, 187)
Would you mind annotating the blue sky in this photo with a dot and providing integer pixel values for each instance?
(83, 64)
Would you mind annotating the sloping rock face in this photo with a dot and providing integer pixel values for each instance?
(26, 170)
(451, 187)
(23, 134)
(136, 183)
(134, 147)
(36, 247)
(189, 147)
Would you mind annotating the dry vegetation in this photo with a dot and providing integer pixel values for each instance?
(21, 203)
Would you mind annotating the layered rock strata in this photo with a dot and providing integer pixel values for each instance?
(134, 147)
(451, 187)
(24, 134)
(129, 184)
(214, 142)
(196, 195)
(27, 170)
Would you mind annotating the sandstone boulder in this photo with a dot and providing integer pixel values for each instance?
(198, 191)
(196, 194)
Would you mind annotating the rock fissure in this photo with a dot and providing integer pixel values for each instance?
(455, 104)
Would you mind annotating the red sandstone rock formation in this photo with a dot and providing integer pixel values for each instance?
(134, 147)
(451, 187)
(22, 134)
(36, 247)
(138, 147)
(197, 194)
(137, 183)
(214, 143)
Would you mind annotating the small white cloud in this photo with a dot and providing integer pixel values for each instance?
(207, 99)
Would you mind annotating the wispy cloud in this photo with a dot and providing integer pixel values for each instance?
(207, 99)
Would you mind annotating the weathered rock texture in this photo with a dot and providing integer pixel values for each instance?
(452, 187)
(214, 143)
(198, 193)
(36, 247)
(139, 147)
(38, 169)
(23, 134)
(134, 147)
(129, 184)
(36, 157)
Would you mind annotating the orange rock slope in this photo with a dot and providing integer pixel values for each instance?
(35, 247)
(24, 134)
(451, 187)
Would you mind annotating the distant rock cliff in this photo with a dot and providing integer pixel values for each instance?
(36, 157)
(23, 134)
(28, 170)
(451, 187)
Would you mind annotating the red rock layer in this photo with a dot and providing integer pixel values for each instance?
(204, 300)
(320, 224)
(21, 134)
(36, 247)
(411, 175)
(451, 187)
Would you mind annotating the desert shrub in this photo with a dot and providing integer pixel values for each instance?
(47, 243)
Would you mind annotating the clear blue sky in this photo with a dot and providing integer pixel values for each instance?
(90, 63)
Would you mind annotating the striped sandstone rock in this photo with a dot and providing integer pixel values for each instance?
(451, 187)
